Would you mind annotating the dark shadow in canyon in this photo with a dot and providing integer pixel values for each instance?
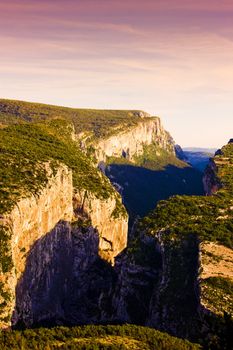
(64, 281)
(142, 188)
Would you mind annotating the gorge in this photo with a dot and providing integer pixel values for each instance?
(67, 257)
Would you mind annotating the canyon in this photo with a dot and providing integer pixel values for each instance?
(67, 256)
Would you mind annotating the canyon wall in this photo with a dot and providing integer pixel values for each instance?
(107, 217)
(63, 243)
(30, 220)
(129, 143)
(211, 181)
(42, 230)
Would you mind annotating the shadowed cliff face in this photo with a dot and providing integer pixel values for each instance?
(42, 233)
(211, 181)
(175, 303)
(42, 286)
(65, 281)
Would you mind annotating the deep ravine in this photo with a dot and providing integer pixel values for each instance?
(67, 255)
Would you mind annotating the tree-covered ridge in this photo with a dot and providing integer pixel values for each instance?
(125, 337)
(95, 123)
(224, 162)
(26, 148)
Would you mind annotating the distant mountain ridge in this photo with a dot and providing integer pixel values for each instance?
(198, 157)
(200, 149)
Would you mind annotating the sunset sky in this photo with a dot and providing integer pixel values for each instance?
(172, 58)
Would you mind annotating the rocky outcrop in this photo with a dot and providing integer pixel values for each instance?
(180, 153)
(129, 143)
(174, 302)
(65, 281)
(216, 262)
(213, 174)
(211, 181)
(107, 217)
(138, 270)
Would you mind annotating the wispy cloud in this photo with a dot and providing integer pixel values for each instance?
(122, 54)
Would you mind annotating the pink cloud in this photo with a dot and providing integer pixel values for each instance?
(120, 54)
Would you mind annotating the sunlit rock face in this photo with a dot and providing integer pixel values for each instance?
(129, 142)
(111, 225)
(29, 221)
(48, 245)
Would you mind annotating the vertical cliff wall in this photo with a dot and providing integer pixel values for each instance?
(43, 231)
(211, 181)
(129, 142)
(110, 220)
(30, 220)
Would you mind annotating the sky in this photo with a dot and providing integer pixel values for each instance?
(171, 58)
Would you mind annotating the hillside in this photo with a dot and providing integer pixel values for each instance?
(210, 217)
(93, 337)
(100, 133)
(95, 123)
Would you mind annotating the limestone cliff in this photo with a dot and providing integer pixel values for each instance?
(129, 142)
(108, 219)
(39, 225)
(29, 220)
